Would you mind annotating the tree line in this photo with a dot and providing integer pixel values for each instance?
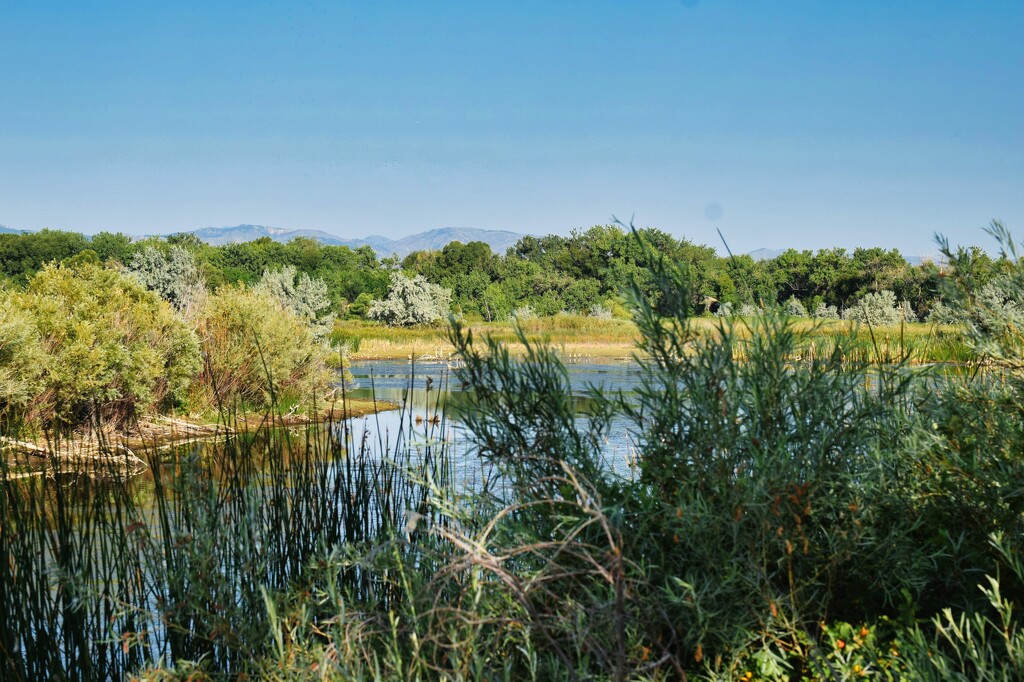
(583, 273)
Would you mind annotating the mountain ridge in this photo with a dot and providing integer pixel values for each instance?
(498, 240)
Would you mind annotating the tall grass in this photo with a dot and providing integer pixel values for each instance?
(102, 575)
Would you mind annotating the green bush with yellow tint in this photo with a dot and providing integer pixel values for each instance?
(257, 351)
(94, 343)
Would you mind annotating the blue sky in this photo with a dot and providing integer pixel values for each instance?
(782, 123)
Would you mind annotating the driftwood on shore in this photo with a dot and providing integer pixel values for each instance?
(108, 451)
(71, 454)
(114, 450)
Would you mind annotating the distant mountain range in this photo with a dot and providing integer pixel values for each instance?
(431, 240)
(765, 254)
(768, 254)
(498, 240)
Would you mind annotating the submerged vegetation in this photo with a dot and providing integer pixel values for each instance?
(788, 515)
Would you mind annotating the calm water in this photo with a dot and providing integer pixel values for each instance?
(428, 391)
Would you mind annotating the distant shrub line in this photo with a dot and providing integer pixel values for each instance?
(588, 272)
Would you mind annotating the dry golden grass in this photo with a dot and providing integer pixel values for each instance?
(607, 339)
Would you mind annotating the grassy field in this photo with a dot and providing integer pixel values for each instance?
(597, 339)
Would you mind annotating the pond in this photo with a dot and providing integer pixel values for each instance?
(184, 550)
(430, 391)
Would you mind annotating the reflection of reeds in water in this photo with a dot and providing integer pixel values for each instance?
(101, 574)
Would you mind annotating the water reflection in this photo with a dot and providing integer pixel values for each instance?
(431, 393)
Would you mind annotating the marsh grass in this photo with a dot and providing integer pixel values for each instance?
(589, 337)
(102, 574)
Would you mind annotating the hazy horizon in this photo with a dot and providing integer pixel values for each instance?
(799, 125)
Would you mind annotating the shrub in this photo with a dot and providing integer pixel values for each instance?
(173, 276)
(946, 314)
(111, 346)
(878, 309)
(257, 350)
(825, 312)
(21, 356)
(994, 312)
(412, 301)
(523, 313)
(303, 295)
(794, 308)
(359, 307)
(749, 310)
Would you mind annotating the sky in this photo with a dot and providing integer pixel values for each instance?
(782, 124)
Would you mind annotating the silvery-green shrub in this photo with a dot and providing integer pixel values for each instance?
(174, 276)
(877, 309)
(794, 308)
(412, 301)
(906, 311)
(946, 314)
(525, 312)
(305, 296)
(825, 312)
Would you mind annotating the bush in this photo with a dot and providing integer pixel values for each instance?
(359, 307)
(110, 346)
(173, 276)
(794, 308)
(749, 310)
(945, 314)
(22, 360)
(412, 301)
(257, 350)
(877, 309)
(825, 312)
(303, 295)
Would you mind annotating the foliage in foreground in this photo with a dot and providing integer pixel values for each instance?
(787, 516)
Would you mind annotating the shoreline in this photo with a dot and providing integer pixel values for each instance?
(160, 432)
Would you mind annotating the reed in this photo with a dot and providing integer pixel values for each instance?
(104, 575)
